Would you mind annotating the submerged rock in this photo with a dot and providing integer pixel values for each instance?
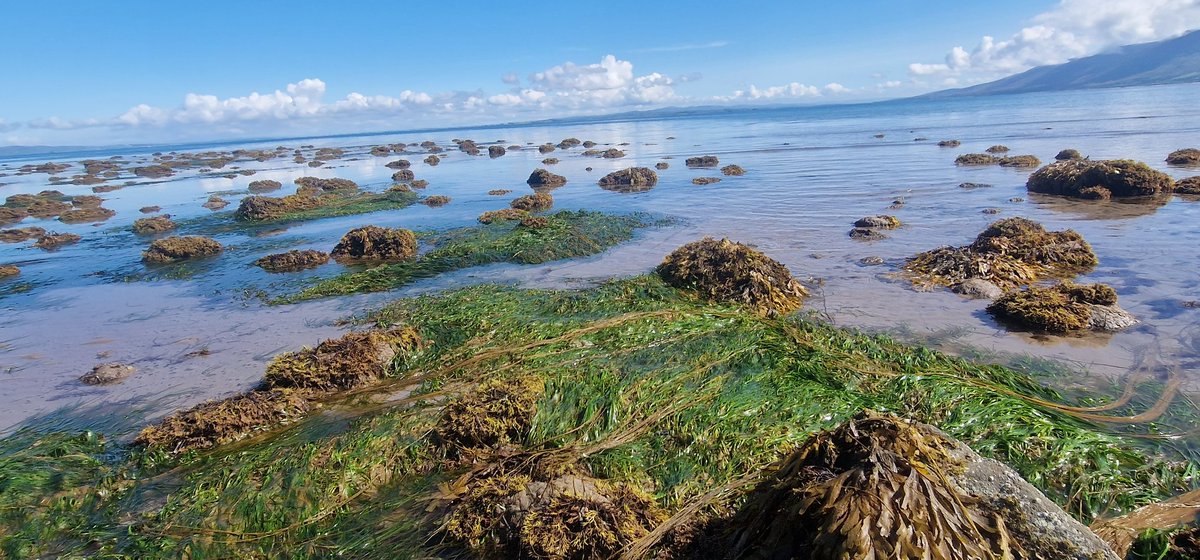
(502, 215)
(1190, 185)
(376, 243)
(633, 179)
(499, 192)
(972, 186)
(867, 234)
(976, 159)
(8, 270)
(661, 165)
(107, 374)
(495, 151)
(536, 202)
(949, 143)
(435, 201)
(705, 180)
(1019, 161)
(550, 161)
(729, 271)
(1186, 156)
(264, 185)
(52, 241)
(882, 487)
(702, 161)
(21, 235)
(997, 149)
(1067, 154)
(1102, 179)
(177, 248)
(730, 170)
(881, 221)
(398, 164)
(292, 261)
(153, 225)
(977, 288)
(149, 209)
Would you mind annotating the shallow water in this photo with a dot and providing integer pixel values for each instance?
(810, 173)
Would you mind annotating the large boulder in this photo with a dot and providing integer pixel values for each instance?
(633, 179)
(729, 271)
(1063, 307)
(376, 243)
(542, 178)
(1099, 180)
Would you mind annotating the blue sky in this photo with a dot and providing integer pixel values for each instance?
(102, 73)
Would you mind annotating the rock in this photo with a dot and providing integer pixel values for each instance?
(502, 215)
(977, 288)
(149, 209)
(403, 175)
(976, 159)
(990, 211)
(546, 148)
(867, 234)
(997, 149)
(264, 185)
(661, 165)
(1061, 308)
(21, 235)
(153, 171)
(468, 147)
(419, 184)
(292, 261)
(542, 178)
(151, 226)
(1186, 156)
(705, 180)
(259, 208)
(432, 161)
(949, 143)
(107, 374)
(878, 475)
(569, 143)
(435, 201)
(176, 248)
(971, 186)
(730, 170)
(215, 203)
(702, 161)
(53, 241)
(327, 185)
(1069, 153)
(881, 221)
(376, 243)
(550, 161)
(8, 270)
(729, 271)
(1019, 161)
(495, 151)
(380, 151)
(633, 179)
(1190, 185)
(398, 164)
(1110, 318)
(1099, 180)
(536, 202)
(499, 192)
(871, 261)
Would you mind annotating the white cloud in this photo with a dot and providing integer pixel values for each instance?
(511, 79)
(1073, 29)
(610, 73)
(792, 90)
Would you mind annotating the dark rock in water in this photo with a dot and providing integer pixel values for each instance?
(376, 243)
(21, 235)
(435, 201)
(107, 374)
(702, 161)
(52, 241)
(1099, 180)
(85, 215)
(468, 147)
(633, 179)
(292, 261)
(1019, 161)
(705, 180)
(327, 185)
(398, 164)
(976, 159)
(870, 489)
(546, 148)
(215, 203)
(380, 151)
(867, 234)
(949, 143)
(9, 270)
(587, 168)
(970, 186)
(403, 175)
(661, 165)
(432, 161)
(871, 261)
(172, 249)
(569, 143)
(589, 144)
(1069, 153)
(151, 226)
(1063, 307)
(733, 272)
(732, 170)
(495, 151)
(536, 202)
(997, 149)
(264, 185)
(153, 171)
(1186, 156)
(990, 211)
(550, 161)
(545, 179)
(612, 153)
(977, 288)
(1016, 199)
(882, 221)
(499, 192)
(1190, 185)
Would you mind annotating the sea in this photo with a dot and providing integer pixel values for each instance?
(810, 173)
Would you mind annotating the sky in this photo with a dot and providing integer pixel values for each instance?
(100, 73)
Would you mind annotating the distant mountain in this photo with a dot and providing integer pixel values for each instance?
(1172, 61)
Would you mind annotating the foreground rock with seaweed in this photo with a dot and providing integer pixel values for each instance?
(1063, 307)
(1099, 179)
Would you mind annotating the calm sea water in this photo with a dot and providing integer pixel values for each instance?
(810, 173)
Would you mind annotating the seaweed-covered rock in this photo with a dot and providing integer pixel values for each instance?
(499, 192)
(1101, 179)
(1010, 252)
(403, 175)
(973, 186)
(729, 271)
(399, 164)
(882, 221)
(546, 148)
(496, 413)
(86, 201)
(153, 171)
(327, 185)
(550, 161)
(223, 421)
(419, 183)
(702, 161)
(264, 185)
(8, 270)
(341, 364)
(215, 203)
(534, 222)
(20, 235)
(149, 209)
(541, 178)
(178, 248)
(435, 201)
(380, 151)
(867, 234)
(612, 153)
(468, 147)
(997, 149)
(153, 225)
(976, 159)
(1019, 161)
(949, 143)
(1069, 153)
(262, 208)
(878, 486)
(536, 202)
(1061, 308)
(1190, 185)
(496, 151)
(432, 161)
(376, 243)
(505, 214)
(292, 261)
(1186, 156)
(53, 241)
(107, 374)
(661, 165)
(633, 179)
(569, 143)
(12, 215)
(730, 170)
(705, 180)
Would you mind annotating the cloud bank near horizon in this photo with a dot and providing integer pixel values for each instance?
(1074, 29)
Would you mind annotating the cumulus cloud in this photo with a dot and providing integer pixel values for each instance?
(792, 90)
(1073, 29)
